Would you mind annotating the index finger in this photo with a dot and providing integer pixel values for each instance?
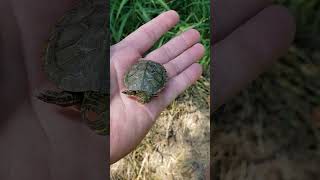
(249, 51)
(226, 21)
(145, 36)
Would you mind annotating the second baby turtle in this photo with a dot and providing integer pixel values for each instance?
(76, 61)
(144, 80)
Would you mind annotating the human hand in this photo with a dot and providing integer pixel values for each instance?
(25, 27)
(39, 140)
(247, 41)
(64, 144)
(129, 120)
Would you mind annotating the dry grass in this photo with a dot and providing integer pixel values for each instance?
(178, 146)
(270, 130)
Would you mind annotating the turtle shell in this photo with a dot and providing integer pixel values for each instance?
(147, 76)
(76, 54)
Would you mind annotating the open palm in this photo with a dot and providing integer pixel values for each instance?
(130, 120)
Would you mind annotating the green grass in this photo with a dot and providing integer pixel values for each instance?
(127, 15)
(307, 15)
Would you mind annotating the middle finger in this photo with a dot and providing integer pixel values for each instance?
(250, 50)
(145, 36)
(174, 47)
(184, 60)
(227, 21)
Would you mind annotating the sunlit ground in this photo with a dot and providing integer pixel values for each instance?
(177, 147)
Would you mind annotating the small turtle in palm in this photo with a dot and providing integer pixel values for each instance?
(76, 61)
(144, 80)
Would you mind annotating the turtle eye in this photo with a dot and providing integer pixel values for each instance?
(124, 92)
(129, 92)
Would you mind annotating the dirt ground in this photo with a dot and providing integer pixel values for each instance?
(271, 129)
(178, 146)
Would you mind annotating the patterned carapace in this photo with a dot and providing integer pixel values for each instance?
(75, 60)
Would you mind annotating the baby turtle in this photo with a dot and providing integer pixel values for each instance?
(144, 80)
(76, 61)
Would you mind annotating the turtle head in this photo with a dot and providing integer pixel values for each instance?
(141, 96)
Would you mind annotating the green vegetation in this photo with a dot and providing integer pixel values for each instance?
(307, 14)
(127, 15)
(178, 144)
(290, 90)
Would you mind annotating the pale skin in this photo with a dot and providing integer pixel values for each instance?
(130, 121)
(64, 144)
(246, 42)
(54, 141)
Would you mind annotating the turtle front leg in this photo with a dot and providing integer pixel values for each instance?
(144, 97)
(94, 112)
(63, 98)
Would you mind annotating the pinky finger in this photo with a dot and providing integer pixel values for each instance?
(174, 87)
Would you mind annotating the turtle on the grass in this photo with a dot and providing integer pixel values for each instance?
(75, 60)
